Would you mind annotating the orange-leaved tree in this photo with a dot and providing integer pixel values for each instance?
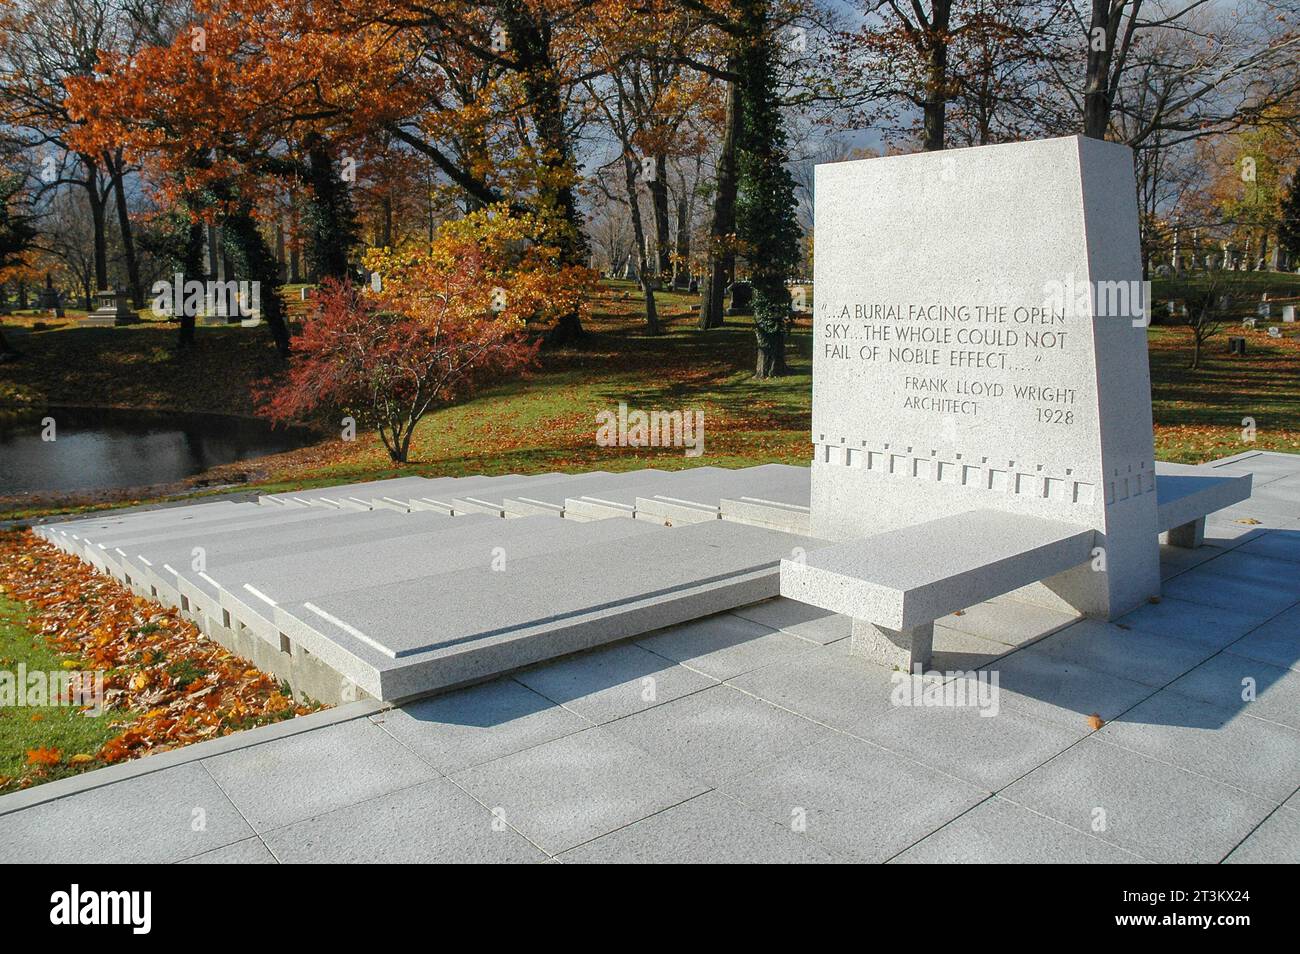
(452, 315)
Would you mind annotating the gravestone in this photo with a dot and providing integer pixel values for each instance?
(1006, 371)
(112, 308)
(742, 298)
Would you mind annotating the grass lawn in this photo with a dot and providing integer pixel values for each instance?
(546, 421)
(77, 736)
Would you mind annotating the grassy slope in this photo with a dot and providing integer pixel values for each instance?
(23, 728)
(547, 420)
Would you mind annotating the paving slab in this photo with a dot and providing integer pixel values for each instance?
(798, 619)
(1221, 743)
(990, 751)
(430, 823)
(471, 726)
(1131, 654)
(854, 798)
(291, 779)
(153, 819)
(709, 829)
(1154, 809)
(1276, 642)
(1008, 621)
(610, 683)
(1277, 544)
(1275, 842)
(826, 686)
(572, 790)
(1248, 685)
(724, 645)
(250, 851)
(997, 831)
(717, 734)
(1257, 598)
(1211, 626)
(1067, 693)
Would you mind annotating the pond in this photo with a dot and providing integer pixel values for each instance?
(108, 449)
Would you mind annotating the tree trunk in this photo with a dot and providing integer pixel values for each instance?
(529, 38)
(241, 231)
(659, 205)
(682, 248)
(333, 222)
(722, 256)
(6, 349)
(191, 266)
(97, 224)
(116, 168)
(936, 81)
(771, 354)
(638, 234)
(1096, 86)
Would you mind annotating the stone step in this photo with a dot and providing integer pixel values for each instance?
(430, 633)
(550, 498)
(492, 500)
(249, 591)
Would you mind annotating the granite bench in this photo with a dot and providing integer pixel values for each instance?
(894, 585)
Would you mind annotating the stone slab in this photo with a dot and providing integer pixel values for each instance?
(490, 622)
(613, 682)
(1185, 493)
(717, 734)
(862, 802)
(550, 497)
(912, 576)
(1214, 741)
(430, 823)
(1151, 808)
(564, 793)
(999, 832)
(458, 730)
(302, 776)
(149, 819)
(709, 829)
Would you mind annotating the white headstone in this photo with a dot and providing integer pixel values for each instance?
(960, 363)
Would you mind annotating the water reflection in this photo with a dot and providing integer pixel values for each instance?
(108, 449)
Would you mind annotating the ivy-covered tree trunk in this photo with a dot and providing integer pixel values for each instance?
(1288, 228)
(330, 219)
(765, 203)
(529, 34)
(255, 258)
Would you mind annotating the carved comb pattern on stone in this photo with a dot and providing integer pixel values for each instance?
(1019, 480)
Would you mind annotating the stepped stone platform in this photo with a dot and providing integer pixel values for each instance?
(395, 588)
(756, 710)
(403, 587)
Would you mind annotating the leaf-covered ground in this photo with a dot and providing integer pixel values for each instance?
(166, 685)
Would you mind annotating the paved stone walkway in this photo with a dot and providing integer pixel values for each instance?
(754, 736)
